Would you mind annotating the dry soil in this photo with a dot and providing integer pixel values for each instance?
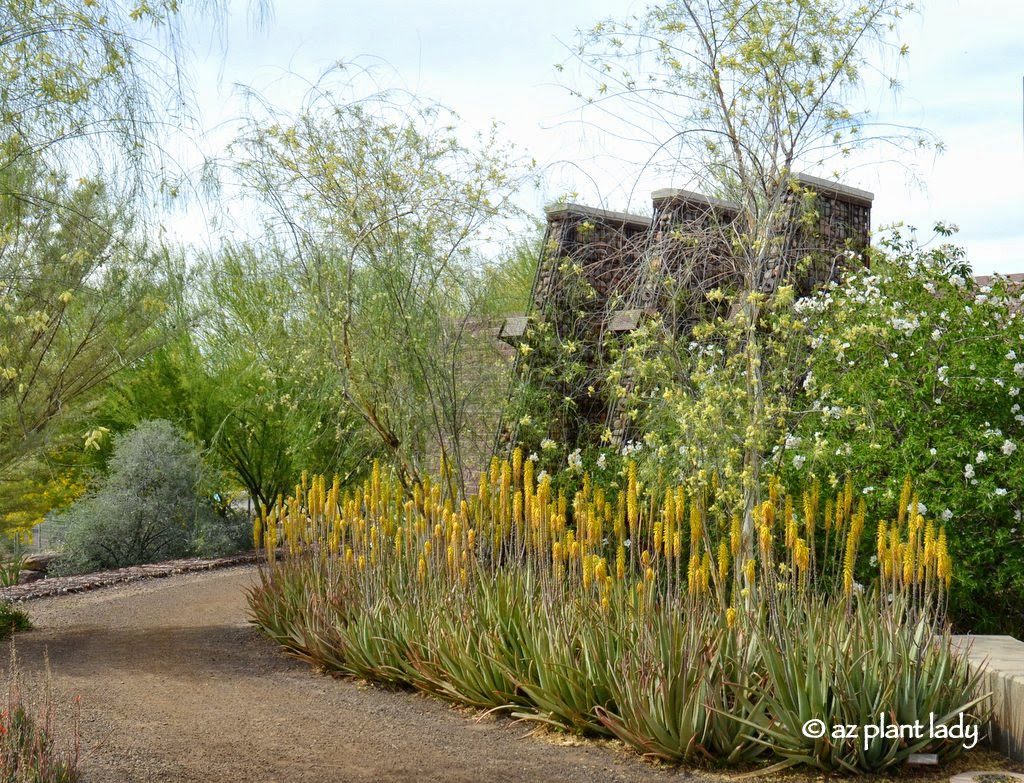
(176, 686)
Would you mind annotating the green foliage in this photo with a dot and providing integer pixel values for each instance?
(915, 370)
(147, 508)
(385, 211)
(632, 614)
(239, 374)
(78, 302)
(12, 620)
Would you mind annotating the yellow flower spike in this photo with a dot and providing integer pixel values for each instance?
(422, 569)
(750, 571)
(802, 556)
(426, 548)
(463, 576)
(632, 506)
(349, 555)
(657, 536)
(517, 466)
(723, 561)
(620, 562)
(693, 573)
(905, 501)
(730, 617)
(649, 575)
(735, 535)
(790, 522)
(587, 572)
(696, 527)
(765, 538)
(645, 558)
(362, 562)
(471, 538)
(495, 471)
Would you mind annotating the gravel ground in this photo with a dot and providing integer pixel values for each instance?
(175, 686)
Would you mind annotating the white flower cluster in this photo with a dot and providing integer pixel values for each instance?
(905, 325)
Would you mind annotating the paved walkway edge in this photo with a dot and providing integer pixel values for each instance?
(64, 585)
(1002, 660)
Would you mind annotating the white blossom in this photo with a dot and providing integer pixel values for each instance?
(969, 471)
(575, 460)
(798, 461)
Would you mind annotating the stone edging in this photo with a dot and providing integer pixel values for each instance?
(63, 585)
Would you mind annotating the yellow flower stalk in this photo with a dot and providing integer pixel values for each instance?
(723, 562)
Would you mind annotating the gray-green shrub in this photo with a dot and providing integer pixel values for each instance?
(148, 507)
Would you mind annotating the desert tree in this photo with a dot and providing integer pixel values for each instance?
(388, 212)
(739, 95)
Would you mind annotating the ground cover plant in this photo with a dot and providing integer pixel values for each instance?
(643, 614)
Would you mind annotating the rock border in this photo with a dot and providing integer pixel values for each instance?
(65, 585)
(972, 777)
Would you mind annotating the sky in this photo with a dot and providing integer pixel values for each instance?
(495, 62)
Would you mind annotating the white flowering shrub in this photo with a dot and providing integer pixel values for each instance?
(917, 370)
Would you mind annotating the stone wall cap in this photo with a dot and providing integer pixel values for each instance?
(679, 194)
(835, 189)
(609, 216)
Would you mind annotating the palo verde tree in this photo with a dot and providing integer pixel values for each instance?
(80, 157)
(386, 212)
(741, 94)
(239, 372)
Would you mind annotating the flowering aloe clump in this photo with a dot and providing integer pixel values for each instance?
(642, 614)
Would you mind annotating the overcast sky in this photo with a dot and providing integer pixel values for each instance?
(494, 61)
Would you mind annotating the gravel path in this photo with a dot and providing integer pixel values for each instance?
(176, 686)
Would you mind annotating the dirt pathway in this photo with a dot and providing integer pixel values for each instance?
(176, 686)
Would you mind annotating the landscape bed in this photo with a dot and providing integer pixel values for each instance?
(639, 615)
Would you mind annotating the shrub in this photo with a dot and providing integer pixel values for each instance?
(917, 370)
(639, 615)
(12, 620)
(147, 508)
